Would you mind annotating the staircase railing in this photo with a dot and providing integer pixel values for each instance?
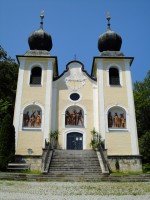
(106, 165)
(46, 158)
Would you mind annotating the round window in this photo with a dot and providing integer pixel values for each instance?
(74, 96)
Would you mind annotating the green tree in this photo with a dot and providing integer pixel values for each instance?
(142, 105)
(142, 109)
(8, 80)
(144, 143)
(7, 142)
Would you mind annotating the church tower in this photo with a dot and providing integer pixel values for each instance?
(116, 112)
(33, 109)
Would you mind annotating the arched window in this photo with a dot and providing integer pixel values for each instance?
(114, 76)
(74, 116)
(35, 77)
(32, 117)
(117, 118)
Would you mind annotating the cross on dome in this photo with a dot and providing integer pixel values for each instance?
(42, 17)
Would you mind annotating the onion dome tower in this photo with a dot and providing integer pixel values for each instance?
(40, 40)
(109, 41)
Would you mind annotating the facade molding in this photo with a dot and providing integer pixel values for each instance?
(132, 119)
(48, 102)
(18, 100)
(54, 108)
(100, 83)
(75, 91)
(74, 104)
(95, 108)
(116, 105)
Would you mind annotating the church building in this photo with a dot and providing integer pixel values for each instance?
(74, 103)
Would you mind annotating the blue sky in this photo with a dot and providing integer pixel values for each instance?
(75, 26)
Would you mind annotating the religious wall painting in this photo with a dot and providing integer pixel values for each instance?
(116, 118)
(74, 116)
(32, 117)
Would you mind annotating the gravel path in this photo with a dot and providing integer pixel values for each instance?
(20, 190)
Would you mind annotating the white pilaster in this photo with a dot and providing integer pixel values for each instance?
(48, 101)
(54, 108)
(132, 119)
(95, 107)
(100, 83)
(17, 111)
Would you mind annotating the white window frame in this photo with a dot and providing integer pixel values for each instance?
(118, 67)
(29, 74)
(75, 101)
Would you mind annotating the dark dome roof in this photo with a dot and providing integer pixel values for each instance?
(40, 40)
(109, 41)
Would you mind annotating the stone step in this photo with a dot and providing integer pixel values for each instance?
(74, 165)
(72, 173)
(71, 166)
(71, 163)
(86, 154)
(74, 158)
(74, 168)
(102, 177)
(75, 155)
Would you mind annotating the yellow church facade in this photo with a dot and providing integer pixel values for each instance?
(74, 103)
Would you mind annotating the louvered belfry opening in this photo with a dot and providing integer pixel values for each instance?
(35, 77)
(114, 76)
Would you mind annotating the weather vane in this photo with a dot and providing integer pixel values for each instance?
(108, 19)
(42, 17)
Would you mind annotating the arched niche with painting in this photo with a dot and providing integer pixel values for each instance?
(74, 116)
(32, 117)
(116, 118)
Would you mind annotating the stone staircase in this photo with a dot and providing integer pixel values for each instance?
(75, 165)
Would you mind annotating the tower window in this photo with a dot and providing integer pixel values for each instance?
(114, 76)
(35, 77)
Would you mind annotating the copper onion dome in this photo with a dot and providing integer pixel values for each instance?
(110, 40)
(40, 40)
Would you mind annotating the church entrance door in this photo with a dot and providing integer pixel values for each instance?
(75, 141)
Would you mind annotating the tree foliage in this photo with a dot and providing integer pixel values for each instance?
(7, 142)
(8, 80)
(142, 108)
(144, 143)
(142, 104)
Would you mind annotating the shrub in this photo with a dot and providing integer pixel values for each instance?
(144, 143)
(7, 142)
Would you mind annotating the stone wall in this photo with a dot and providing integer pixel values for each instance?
(35, 162)
(125, 163)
